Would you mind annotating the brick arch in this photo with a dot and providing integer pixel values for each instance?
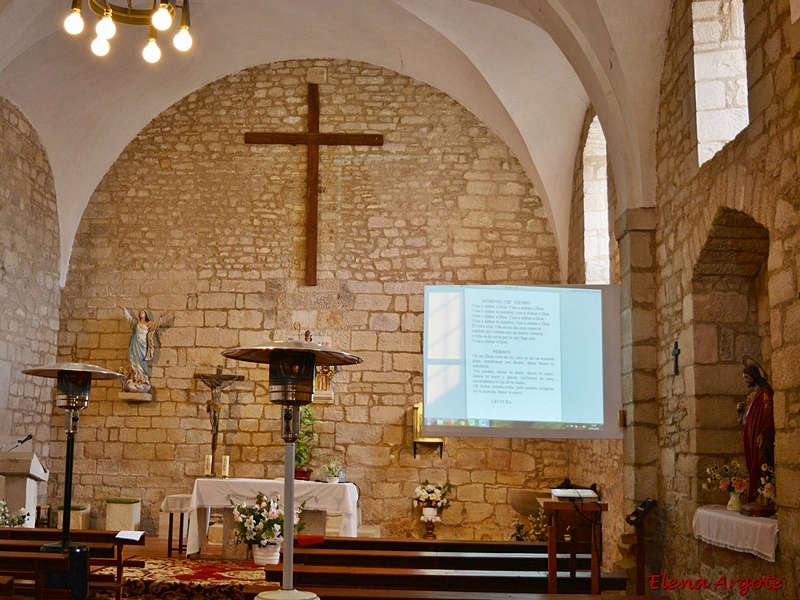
(730, 320)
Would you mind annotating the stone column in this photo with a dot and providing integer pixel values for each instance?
(635, 232)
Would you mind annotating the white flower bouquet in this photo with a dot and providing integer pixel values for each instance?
(429, 495)
(261, 523)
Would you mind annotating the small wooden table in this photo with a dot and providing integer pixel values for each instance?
(592, 511)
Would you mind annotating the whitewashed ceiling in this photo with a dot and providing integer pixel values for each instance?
(526, 68)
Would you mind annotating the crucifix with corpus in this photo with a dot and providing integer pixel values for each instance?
(313, 139)
(217, 382)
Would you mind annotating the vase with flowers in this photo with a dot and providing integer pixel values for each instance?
(432, 496)
(10, 519)
(433, 500)
(727, 479)
(261, 526)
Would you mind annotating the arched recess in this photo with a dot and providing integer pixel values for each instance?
(731, 320)
(595, 206)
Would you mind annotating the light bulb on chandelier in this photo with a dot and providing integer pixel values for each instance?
(158, 18)
(162, 19)
(151, 52)
(183, 39)
(100, 46)
(74, 22)
(105, 27)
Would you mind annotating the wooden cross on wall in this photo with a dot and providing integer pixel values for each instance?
(313, 139)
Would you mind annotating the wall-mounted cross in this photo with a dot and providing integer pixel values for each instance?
(313, 139)
(675, 352)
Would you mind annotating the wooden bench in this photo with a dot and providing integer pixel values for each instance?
(27, 570)
(442, 579)
(394, 544)
(6, 587)
(105, 550)
(439, 565)
(421, 559)
(330, 593)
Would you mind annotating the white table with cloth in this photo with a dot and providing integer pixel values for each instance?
(218, 493)
(718, 526)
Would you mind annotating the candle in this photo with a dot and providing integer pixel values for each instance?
(226, 465)
(207, 468)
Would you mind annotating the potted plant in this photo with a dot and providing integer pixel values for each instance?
(261, 526)
(332, 471)
(304, 444)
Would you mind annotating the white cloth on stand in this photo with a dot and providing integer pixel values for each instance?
(718, 526)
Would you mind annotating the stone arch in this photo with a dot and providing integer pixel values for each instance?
(730, 320)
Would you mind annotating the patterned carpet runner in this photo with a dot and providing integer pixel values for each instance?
(182, 579)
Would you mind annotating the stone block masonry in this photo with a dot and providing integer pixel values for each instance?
(29, 292)
(192, 221)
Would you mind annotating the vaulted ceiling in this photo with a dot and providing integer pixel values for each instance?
(529, 69)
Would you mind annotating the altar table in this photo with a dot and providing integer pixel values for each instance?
(218, 493)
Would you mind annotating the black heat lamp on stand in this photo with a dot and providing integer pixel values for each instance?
(291, 385)
(72, 395)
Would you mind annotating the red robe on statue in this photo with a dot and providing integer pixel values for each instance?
(759, 437)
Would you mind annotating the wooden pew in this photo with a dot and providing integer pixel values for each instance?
(441, 579)
(328, 593)
(394, 544)
(6, 587)
(477, 567)
(421, 559)
(105, 550)
(27, 570)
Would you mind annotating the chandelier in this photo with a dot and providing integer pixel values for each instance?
(158, 18)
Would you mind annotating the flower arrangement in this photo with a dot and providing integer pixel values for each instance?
(429, 495)
(537, 532)
(767, 490)
(332, 469)
(262, 523)
(9, 519)
(725, 477)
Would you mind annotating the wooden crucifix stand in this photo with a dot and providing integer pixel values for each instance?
(217, 382)
(313, 139)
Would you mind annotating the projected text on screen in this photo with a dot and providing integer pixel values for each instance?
(519, 359)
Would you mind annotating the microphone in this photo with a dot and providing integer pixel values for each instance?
(15, 445)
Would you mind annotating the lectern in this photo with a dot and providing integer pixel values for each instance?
(23, 472)
(590, 512)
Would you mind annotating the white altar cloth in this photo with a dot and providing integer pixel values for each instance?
(217, 493)
(718, 526)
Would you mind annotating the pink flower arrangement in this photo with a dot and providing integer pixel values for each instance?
(725, 477)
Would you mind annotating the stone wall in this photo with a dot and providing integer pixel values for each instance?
(753, 176)
(29, 292)
(193, 223)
